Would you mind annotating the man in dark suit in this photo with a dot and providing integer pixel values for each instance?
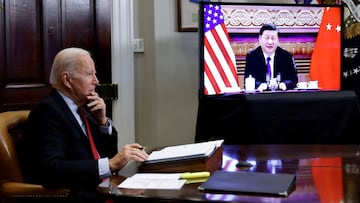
(56, 150)
(282, 73)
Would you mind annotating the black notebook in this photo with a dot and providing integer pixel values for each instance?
(250, 182)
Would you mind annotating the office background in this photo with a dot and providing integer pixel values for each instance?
(165, 79)
(159, 107)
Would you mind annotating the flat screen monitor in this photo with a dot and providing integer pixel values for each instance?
(228, 32)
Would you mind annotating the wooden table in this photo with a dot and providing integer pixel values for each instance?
(324, 173)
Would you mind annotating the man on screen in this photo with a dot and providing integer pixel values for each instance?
(272, 66)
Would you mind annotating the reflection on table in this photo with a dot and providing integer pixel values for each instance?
(325, 173)
(292, 117)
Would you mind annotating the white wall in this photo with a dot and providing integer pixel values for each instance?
(123, 70)
(166, 76)
(157, 102)
(158, 89)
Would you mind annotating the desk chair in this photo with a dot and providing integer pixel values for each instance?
(12, 186)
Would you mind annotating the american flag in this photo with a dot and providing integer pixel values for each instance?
(219, 59)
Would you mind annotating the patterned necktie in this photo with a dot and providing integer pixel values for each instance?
(88, 131)
(268, 66)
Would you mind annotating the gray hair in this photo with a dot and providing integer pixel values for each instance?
(65, 60)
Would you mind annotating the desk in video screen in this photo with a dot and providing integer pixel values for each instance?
(308, 117)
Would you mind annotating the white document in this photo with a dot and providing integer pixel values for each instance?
(105, 183)
(185, 151)
(153, 181)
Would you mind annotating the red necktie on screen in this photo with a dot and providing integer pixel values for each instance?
(268, 66)
(83, 116)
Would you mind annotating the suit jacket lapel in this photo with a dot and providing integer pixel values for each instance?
(67, 112)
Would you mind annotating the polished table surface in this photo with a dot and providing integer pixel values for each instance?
(324, 173)
(289, 117)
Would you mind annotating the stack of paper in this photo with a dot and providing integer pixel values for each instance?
(153, 181)
(163, 180)
(186, 151)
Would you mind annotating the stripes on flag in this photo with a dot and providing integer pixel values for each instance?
(220, 74)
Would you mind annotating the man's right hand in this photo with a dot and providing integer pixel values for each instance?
(127, 153)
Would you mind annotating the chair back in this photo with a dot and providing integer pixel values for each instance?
(11, 123)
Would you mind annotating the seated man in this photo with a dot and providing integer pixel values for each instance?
(69, 142)
(271, 66)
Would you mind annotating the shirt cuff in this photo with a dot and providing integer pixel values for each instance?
(104, 169)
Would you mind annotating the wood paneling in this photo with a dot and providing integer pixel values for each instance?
(32, 32)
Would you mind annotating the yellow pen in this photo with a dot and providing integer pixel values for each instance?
(196, 180)
(143, 148)
(191, 175)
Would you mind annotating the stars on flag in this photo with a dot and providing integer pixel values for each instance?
(213, 17)
(355, 71)
(329, 26)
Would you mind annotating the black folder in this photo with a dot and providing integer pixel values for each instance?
(279, 184)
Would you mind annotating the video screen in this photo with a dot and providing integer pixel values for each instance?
(269, 47)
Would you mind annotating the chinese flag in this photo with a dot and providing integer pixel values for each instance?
(326, 57)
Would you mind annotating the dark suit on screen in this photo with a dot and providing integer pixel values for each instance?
(283, 64)
(62, 150)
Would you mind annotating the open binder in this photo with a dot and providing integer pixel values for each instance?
(184, 152)
(250, 182)
(204, 156)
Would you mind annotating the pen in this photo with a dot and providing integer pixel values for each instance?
(191, 175)
(142, 148)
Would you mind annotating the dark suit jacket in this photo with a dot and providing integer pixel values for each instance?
(283, 64)
(54, 150)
